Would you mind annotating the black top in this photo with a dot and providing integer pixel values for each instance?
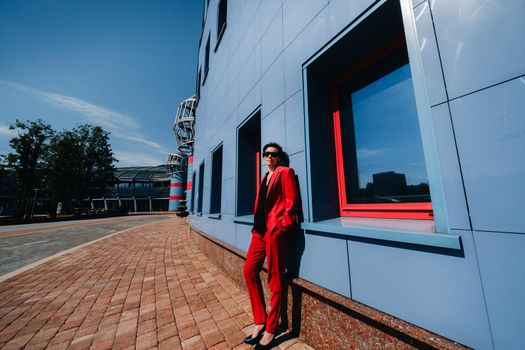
(259, 221)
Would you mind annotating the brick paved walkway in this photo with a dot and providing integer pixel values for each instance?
(148, 287)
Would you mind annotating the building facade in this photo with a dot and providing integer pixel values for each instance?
(404, 122)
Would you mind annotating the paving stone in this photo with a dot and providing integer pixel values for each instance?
(43, 336)
(201, 315)
(220, 346)
(63, 337)
(147, 340)
(185, 321)
(87, 330)
(164, 316)
(194, 343)
(188, 332)
(147, 326)
(81, 343)
(172, 343)
(220, 314)
(18, 342)
(212, 338)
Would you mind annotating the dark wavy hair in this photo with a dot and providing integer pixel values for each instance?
(274, 145)
(285, 160)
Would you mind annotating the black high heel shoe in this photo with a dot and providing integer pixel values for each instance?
(254, 340)
(268, 346)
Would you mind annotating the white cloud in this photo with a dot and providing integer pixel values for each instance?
(136, 159)
(138, 138)
(366, 152)
(94, 114)
(6, 132)
(89, 112)
(121, 126)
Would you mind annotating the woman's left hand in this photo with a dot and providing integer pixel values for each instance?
(277, 231)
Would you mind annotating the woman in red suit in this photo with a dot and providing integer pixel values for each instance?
(274, 214)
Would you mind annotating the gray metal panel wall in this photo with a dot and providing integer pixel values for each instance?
(472, 55)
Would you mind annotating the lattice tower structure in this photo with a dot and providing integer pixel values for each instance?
(184, 125)
(176, 164)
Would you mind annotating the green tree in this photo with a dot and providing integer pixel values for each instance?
(98, 160)
(79, 164)
(63, 177)
(71, 164)
(28, 159)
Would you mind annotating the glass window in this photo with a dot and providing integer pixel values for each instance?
(200, 194)
(206, 59)
(192, 203)
(216, 181)
(248, 163)
(380, 160)
(360, 95)
(221, 20)
(385, 155)
(198, 85)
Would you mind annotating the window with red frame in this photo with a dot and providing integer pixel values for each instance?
(380, 165)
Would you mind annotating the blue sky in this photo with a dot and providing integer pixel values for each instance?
(385, 110)
(124, 65)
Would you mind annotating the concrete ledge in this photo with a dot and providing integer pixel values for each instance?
(404, 231)
(245, 219)
(324, 318)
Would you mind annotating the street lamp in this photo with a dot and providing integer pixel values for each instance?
(34, 201)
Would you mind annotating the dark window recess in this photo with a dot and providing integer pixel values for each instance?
(206, 60)
(360, 95)
(192, 206)
(248, 163)
(200, 194)
(216, 181)
(222, 15)
(198, 87)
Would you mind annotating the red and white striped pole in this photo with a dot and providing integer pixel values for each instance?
(176, 190)
(189, 184)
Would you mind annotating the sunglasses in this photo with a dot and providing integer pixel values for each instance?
(271, 154)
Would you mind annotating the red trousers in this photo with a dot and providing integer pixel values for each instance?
(273, 248)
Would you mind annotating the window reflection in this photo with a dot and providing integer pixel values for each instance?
(388, 164)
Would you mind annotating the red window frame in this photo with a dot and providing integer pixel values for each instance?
(418, 211)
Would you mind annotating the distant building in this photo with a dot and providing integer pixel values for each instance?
(389, 182)
(138, 189)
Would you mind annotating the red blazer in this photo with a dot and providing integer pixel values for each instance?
(281, 200)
